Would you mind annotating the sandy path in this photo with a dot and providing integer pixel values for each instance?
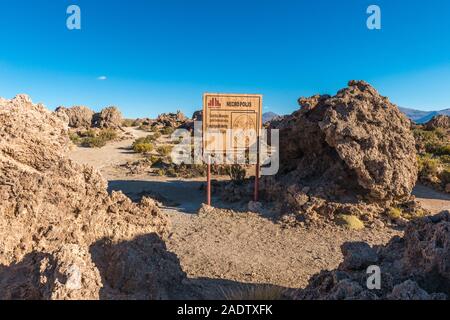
(432, 200)
(112, 154)
(220, 251)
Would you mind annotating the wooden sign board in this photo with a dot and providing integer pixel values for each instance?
(239, 112)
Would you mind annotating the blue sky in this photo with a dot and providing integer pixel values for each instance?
(161, 55)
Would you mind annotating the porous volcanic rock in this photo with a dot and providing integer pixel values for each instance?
(197, 115)
(440, 121)
(109, 117)
(173, 120)
(352, 147)
(414, 267)
(62, 236)
(78, 117)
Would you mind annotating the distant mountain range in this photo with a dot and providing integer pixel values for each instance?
(267, 116)
(417, 116)
(423, 116)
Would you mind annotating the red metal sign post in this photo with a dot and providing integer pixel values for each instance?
(257, 169)
(208, 182)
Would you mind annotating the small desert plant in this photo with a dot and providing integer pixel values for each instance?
(92, 138)
(129, 123)
(156, 135)
(394, 213)
(428, 166)
(93, 142)
(350, 222)
(167, 130)
(443, 150)
(445, 176)
(418, 213)
(142, 147)
(445, 159)
(144, 127)
(164, 150)
(147, 139)
(237, 172)
(154, 159)
(75, 138)
(171, 172)
(108, 134)
(88, 133)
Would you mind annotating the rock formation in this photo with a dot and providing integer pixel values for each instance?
(62, 236)
(173, 120)
(78, 117)
(352, 147)
(440, 121)
(108, 118)
(414, 267)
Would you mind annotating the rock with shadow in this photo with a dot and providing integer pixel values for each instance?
(414, 267)
(141, 268)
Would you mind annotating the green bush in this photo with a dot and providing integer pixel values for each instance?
(75, 138)
(88, 133)
(93, 142)
(236, 172)
(349, 222)
(108, 134)
(147, 139)
(129, 123)
(93, 139)
(445, 159)
(142, 147)
(445, 176)
(167, 130)
(164, 150)
(443, 150)
(144, 127)
(428, 166)
(394, 213)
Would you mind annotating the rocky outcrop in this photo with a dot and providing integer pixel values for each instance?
(62, 236)
(197, 115)
(110, 118)
(352, 147)
(78, 117)
(172, 120)
(440, 121)
(414, 267)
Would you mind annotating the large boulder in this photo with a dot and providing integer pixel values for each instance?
(440, 121)
(173, 120)
(109, 117)
(414, 267)
(78, 117)
(350, 147)
(62, 236)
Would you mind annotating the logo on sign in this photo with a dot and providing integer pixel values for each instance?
(214, 102)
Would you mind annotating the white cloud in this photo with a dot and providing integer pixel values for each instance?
(102, 78)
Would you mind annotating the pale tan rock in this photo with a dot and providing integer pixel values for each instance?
(57, 218)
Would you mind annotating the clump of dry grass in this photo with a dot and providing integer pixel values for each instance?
(93, 138)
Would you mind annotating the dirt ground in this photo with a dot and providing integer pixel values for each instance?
(222, 252)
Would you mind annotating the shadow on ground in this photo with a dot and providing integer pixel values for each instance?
(182, 195)
(428, 193)
(141, 268)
